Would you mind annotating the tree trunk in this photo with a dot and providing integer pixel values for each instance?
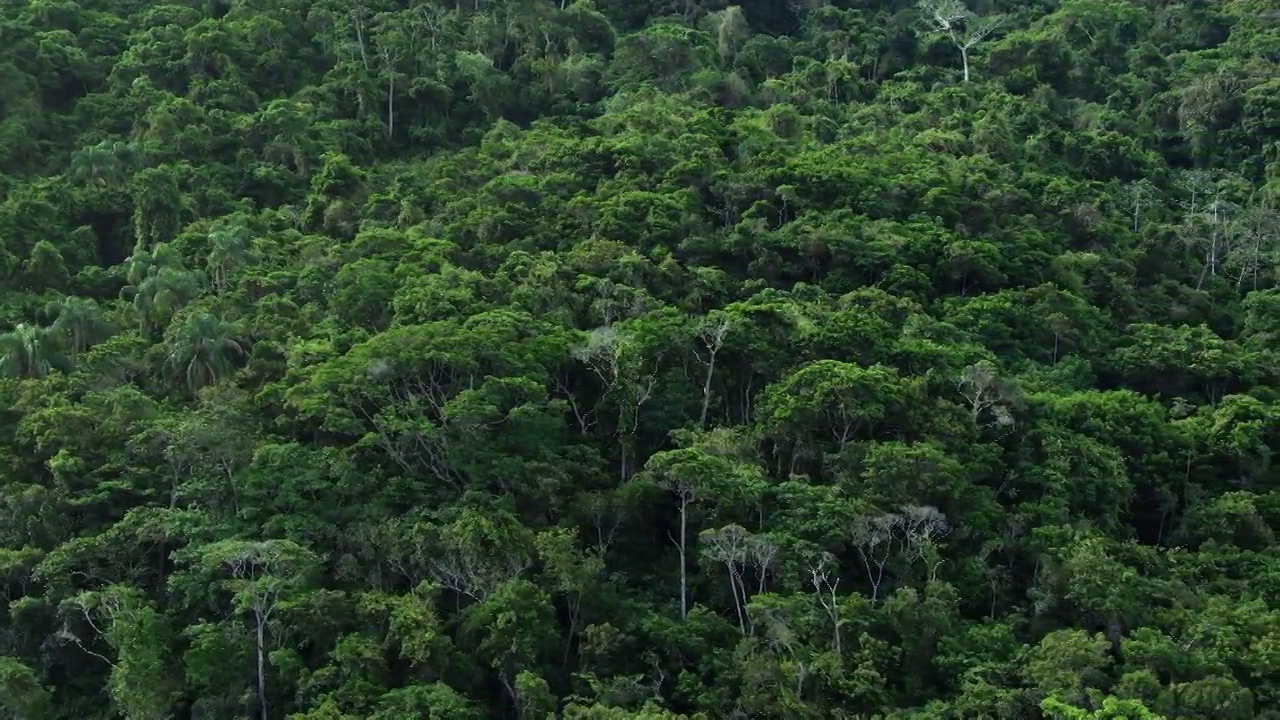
(364, 55)
(706, 390)
(391, 103)
(739, 599)
(835, 624)
(262, 665)
(684, 581)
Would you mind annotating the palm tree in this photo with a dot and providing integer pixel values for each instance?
(159, 285)
(159, 298)
(102, 164)
(202, 349)
(228, 249)
(78, 322)
(29, 352)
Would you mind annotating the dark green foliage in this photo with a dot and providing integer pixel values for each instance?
(657, 359)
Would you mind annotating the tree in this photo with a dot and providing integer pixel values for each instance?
(206, 449)
(228, 249)
(202, 349)
(874, 538)
(78, 321)
(103, 164)
(260, 575)
(712, 331)
(23, 694)
(834, 404)
(513, 630)
(478, 554)
(160, 204)
(628, 380)
(1068, 665)
(982, 389)
(574, 572)
(824, 581)
(711, 468)
(738, 549)
(29, 351)
(963, 27)
(46, 268)
(1112, 708)
(159, 286)
(142, 685)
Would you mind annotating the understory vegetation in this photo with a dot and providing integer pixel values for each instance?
(649, 359)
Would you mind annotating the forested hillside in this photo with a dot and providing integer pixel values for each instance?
(460, 359)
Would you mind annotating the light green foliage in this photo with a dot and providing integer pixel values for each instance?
(1112, 709)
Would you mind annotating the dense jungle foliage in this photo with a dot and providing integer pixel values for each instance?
(367, 359)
